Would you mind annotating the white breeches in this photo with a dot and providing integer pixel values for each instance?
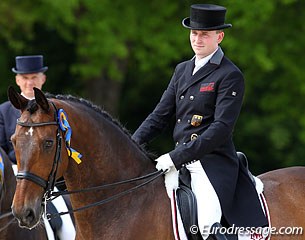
(208, 205)
(209, 210)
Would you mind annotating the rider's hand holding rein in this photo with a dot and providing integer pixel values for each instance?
(165, 163)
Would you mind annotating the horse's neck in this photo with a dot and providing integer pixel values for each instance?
(109, 166)
(109, 154)
(118, 211)
(115, 168)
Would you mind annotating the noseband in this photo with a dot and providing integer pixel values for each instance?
(47, 185)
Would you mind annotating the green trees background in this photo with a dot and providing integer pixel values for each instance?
(121, 54)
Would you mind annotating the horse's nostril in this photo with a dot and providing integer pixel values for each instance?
(29, 216)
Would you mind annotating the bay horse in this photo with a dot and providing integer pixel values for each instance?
(108, 156)
(9, 227)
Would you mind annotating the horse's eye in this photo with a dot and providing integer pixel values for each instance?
(48, 144)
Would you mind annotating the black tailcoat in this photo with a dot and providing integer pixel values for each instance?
(8, 119)
(215, 94)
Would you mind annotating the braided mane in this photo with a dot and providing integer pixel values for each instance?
(97, 109)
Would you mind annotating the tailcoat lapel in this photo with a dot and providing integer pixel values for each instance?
(190, 67)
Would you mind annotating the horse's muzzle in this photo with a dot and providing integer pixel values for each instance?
(27, 217)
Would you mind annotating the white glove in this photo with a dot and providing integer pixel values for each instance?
(164, 162)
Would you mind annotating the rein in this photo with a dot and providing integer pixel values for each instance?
(48, 185)
(153, 176)
(58, 193)
(5, 215)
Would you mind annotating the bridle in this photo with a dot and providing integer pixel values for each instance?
(48, 185)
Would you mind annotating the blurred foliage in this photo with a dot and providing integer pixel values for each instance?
(121, 54)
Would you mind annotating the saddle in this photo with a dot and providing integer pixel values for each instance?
(187, 203)
(244, 161)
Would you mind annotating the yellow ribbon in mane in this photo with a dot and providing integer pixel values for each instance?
(65, 127)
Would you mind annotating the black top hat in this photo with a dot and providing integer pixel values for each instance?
(29, 64)
(206, 17)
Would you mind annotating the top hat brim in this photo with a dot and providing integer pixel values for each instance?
(30, 71)
(186, 22)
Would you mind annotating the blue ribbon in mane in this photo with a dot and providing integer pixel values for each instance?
(65, 127)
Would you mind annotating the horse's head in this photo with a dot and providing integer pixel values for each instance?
(37, 146)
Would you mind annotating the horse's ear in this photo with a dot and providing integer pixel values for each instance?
(16, 99)
(41, 99)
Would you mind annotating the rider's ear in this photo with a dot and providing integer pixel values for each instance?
(16, 99)
(41, 99)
